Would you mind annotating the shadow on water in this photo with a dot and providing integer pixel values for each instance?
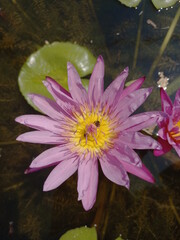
(124, 37)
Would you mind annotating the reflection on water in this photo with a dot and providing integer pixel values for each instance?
(123, 36)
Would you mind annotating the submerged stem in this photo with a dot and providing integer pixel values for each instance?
(107, 212)
(138, 38)
(105, 199)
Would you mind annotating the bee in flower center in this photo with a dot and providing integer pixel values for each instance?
(91, 131)
(97, 123)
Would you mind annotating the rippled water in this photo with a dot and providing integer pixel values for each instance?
(144, 40)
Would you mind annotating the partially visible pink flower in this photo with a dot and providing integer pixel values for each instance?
(169, 132)
(88, 127)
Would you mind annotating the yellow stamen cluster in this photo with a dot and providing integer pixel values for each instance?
(176, 134)
(93, 131)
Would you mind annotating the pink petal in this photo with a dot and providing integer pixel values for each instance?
(170, 140)
(115, 87)
(31, 170)
(51, 156)
(166, 103)
(57, 87)
(141, 172)
(84, 174)
(166, 147)
(44, 137)
(125, 153)
(137, 140)
(114, 170)
(96, 82)
(139, 121)
(162, 133)
(176, 113)
(78, 92)
(47, 106)
(40, 122)
(131, 88)
(169, 124)
(62, 99)
(60, 174)
(131, 103)
(164, 121)
(66, 104)
(176, 107)
(89, 197)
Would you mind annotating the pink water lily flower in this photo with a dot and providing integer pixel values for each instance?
(90, 127)
(169, 132)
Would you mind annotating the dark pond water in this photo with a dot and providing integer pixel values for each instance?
(124, 38)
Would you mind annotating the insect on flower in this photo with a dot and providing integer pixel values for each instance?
(87, 127)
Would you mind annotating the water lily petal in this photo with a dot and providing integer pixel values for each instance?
(96, 82)
(166, 102)
(130, 103)
(166, 147)
(78, 92)
(162, 133)
(89, 197)
(43, 137)
(176, 107)
(51, 156)
(141, 172)
(137, 140)
(31, 170)
(40, 122)
(59, 94)
(171, 140)
(65, 102)
(57, 87)
(176, 114)
(47, 106)
(115, 87)
(139, 121)
(84, 174)
(114, 170)
(60, 174)
(131, 88)
(124, 153)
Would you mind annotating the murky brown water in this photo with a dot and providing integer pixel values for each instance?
(124, 37)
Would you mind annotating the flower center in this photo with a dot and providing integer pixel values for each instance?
(90, 132)
(93, 131)
(175, 132)
(178, 124)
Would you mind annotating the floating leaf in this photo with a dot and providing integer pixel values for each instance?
(51, 60)
(163, 4)
(130, 3)
(82, 233)
(119, 238)
(157, 3)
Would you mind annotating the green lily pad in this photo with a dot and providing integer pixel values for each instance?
(51, 60)
(82, 233)
(163, 4)
(157, 3)
(130, 3)
(119, 238)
